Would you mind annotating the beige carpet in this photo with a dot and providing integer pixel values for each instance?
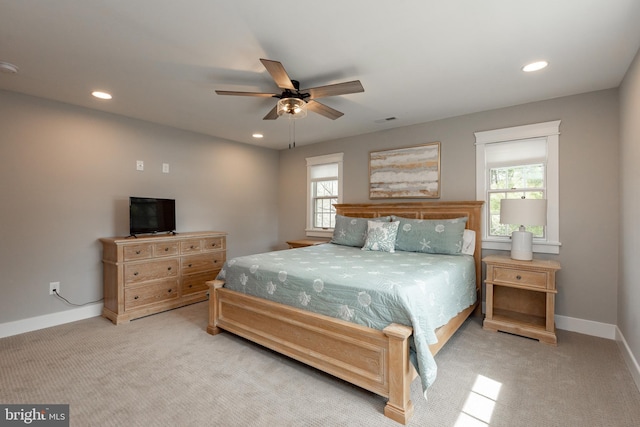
(165, 370)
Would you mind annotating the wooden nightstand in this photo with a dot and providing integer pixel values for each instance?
(520, 297)
(301, 243)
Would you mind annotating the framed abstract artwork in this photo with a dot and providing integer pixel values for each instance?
(405, 173)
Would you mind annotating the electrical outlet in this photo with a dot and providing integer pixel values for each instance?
(139, 165)
(165, 167)
(54, 286)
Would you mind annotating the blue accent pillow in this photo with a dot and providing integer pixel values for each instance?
(433, 236)
(381, 236)
(351, 231)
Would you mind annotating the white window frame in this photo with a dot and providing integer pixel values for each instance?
(314, 161)
(549, 132)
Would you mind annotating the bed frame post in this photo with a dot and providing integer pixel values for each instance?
(399, 407)
(212, 327)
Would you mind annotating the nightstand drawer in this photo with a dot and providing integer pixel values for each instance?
(536, 279)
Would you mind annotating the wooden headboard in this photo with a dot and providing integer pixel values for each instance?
(426, 210)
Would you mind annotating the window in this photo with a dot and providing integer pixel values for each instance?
(324, 189)
(518, 162)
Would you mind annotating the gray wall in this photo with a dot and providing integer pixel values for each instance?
(66, 175)
(629, 295)
(589, 159)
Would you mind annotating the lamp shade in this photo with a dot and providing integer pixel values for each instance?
(294, 108)
(523, 211)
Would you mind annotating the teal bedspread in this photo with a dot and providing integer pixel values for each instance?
(370, 288)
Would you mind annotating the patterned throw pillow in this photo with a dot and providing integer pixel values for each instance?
(350, 231)
(434, 236)
(381, 236)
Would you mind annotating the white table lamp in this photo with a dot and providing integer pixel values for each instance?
(523, 212)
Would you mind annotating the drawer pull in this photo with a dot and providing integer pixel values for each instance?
(137, 252)
(189, 265)
(518, 277)
(192, 246)
(166, 249)
(169, 268)
(135, 273)
(190, 286)
(169, 291)
(136, 297)
(213, 245)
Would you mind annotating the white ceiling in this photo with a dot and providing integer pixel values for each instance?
(418, 60)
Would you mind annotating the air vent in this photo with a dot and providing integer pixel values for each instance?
(388, 119)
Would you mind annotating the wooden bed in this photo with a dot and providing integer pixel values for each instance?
(369, 358)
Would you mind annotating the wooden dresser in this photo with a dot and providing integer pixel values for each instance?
(150, 274)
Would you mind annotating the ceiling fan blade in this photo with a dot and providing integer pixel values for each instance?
(272, 115)
(324, 110)
(278, 73)
(333, 90)
(231, 92)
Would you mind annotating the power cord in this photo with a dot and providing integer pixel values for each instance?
(55, 291)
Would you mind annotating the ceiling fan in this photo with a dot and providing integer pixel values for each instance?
(294, 100)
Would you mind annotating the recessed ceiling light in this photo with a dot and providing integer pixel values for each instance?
(535, 66)
(8, 68)
(101, 95)
(257, 135)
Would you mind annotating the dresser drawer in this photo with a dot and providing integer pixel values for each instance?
(214, 244)
(197, 282)
(165, 249)
(536, 279)
(153, 270)
(149, 294)
(191, 246)
(200, 263)
(134, 252)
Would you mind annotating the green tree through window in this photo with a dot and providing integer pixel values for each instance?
(514, 182)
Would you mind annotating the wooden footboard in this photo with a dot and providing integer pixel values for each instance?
(374, 360)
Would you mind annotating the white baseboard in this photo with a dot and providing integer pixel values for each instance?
(48, 320)
(587, 327)
(628, 356)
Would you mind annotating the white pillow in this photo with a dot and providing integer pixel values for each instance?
(468, 242)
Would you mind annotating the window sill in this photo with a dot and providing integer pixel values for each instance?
(319, 233)
(540, 247)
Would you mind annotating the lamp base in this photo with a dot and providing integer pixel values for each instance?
(522, 245)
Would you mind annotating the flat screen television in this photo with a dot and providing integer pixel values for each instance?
(150, 215)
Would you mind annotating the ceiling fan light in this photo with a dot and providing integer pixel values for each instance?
(294, 108)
